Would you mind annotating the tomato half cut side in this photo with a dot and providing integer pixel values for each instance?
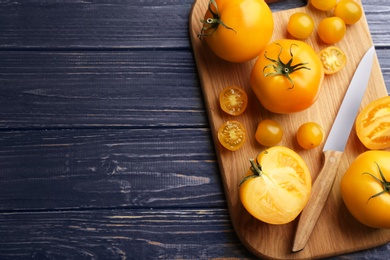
(277, 186)
(373, 124)
(333, 59)
(232, 135)
(233, 100)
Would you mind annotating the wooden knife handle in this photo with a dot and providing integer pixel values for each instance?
(319, 194)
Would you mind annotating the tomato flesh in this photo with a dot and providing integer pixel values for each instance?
(373, 124)
(233, 100)
(365, 192)
(333, 59)
(232, 135)
(282, 190)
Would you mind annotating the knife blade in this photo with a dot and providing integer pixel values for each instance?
(333, 150)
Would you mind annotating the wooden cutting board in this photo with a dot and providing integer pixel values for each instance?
(336, 232)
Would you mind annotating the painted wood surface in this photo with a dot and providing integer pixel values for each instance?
(105, 145)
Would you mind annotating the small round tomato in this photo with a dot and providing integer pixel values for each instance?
(365, 188)
(310, 135)
(349, 11)
(269, 133)
(237, 30)
(300, 25)
(331, 29)
(323, 5)
(333, 59)
(277, 186)
(287, 76)
(232, 135)
(373, 124)
(233, 100)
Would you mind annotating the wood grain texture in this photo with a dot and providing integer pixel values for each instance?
(215, 74)
(105, 145)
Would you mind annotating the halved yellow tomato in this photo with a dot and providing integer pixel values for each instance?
(333, 59)
(277, 186)
(232, 135)
(233, 100)
(373, 124)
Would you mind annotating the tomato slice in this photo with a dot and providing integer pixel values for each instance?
(373, 124)
(333, 59)
(277, 187)
(232, 135)
(233, 100)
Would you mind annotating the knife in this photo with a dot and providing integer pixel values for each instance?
(333, 150)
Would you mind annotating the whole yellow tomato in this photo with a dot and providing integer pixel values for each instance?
(237, 30)
(277, 186)
(287, 76)
(365, 188)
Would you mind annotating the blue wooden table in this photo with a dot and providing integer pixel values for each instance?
(105, 146)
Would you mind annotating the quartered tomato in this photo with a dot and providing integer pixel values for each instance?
(310, 135)
(269, 132)
(333, 59)
(349, 11)
(233, 100)
(300, 25)
(237, 30)
(373, 124)
(331, 29)
(287, 76)
(232, 135)
(277, 186)
(365, 188)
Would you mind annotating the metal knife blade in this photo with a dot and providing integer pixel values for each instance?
(333, 150)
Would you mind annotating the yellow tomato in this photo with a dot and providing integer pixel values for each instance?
(237, 30)
(232, 135)
(277, 186)
(333, 59)
(323, 5)
(300, 25)
(331, 29)
(310, 135)
(365, 188)
(233, 100)
(349, 11)
(269, 132)
(287, 76)
(373, 124)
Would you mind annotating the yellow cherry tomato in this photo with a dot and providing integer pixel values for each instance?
(287, 76)
(333, 59)
(233, 100)
(277, 186)
(365, 188)
(232, 135)
(373, 124)
(331, 29)
(237, 30)
(269, 132)
(310, 135)
(300, 25)
(349, 11)
(323, 5)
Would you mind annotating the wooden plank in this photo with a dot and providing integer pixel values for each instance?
(335, 223)
(99, 89)
(119, 234)
(140, 168)
(128, 234)
(124, 24)
(105, 89)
